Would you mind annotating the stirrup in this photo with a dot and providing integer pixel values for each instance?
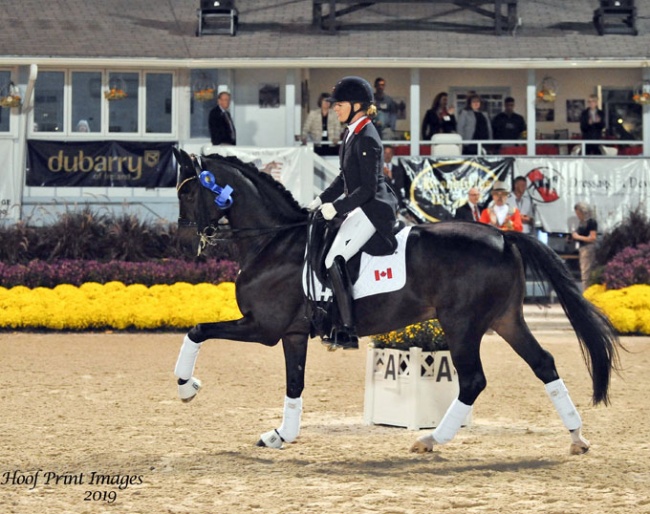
(345, 338)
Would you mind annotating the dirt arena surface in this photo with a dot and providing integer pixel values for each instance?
(76, 404)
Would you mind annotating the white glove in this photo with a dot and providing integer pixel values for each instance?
(315, 204)
(328, 211)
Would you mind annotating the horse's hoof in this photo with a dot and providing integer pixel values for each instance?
(423, 444)
(188, 390)
(578, 448)
(270, 440)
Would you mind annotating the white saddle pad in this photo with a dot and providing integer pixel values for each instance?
(377, 275)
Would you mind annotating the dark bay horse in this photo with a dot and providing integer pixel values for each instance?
(468, 275)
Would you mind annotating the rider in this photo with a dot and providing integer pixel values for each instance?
(359, 194)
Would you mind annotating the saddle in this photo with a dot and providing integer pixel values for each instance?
(321, 237)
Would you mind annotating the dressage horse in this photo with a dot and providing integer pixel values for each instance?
(469, 276)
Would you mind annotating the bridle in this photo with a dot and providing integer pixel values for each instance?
(210, 235)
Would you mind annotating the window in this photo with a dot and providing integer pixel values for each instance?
(86, 101)
(48, 102)
(5, 114)
(123, 112)
(201, 105)
(103, 104)
(159, 102)
(623, 117)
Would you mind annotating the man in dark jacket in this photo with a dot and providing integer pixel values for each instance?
(222, 128)
(470, 211)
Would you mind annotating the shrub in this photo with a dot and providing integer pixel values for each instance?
(633, 231)
(629, 267)
(77, 272)
(87, 235)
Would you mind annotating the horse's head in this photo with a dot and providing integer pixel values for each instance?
(198, 211)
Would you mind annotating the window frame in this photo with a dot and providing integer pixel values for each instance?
(13, 114)
(103, 133)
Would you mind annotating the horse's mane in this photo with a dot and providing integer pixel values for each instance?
(280, 199)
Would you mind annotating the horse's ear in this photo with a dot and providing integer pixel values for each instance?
(184, 162)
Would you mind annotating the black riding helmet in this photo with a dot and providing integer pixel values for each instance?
(353, 90)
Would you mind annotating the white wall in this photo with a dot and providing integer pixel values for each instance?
(262, 127)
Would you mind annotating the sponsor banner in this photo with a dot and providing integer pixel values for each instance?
(293, 166)
(435, 188)
(100, 164)
(10, 200)
(611, 187)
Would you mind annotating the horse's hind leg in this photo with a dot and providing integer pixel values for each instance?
(464, 344)
(514, 330)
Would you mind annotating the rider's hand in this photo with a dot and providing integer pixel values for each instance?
(328, 211)
(315, 204)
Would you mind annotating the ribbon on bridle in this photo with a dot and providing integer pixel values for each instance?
(223, 194)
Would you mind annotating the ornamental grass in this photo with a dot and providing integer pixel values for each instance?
(114, 305)
(628, 309)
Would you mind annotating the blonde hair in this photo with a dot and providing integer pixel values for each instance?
(372, 110)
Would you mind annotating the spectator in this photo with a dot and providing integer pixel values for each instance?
(394, 174)
(473, 124)
(508, 124)
(222, 128)
(585, 235)
(470, 211)
(322, 127)
(439, 119)
(592, 124)
(520, 199)
(82, 126)
(386, 118)
(499, 214)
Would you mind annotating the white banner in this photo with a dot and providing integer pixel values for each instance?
(293, 166)
(9, 184)
(611, 187)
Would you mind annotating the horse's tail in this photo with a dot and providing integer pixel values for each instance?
(598, 339)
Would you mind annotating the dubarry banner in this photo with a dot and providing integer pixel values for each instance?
(100, 164)
(435, 188)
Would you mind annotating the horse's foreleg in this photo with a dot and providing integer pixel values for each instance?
(559, 395)
(243, 329)
(295, 355)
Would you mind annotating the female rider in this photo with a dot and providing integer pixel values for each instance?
(360, 195)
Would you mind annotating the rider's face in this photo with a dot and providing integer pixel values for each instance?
(342, 110)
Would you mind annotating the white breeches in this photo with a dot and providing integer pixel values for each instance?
(355, 232)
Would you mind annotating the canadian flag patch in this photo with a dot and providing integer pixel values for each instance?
(383, 274)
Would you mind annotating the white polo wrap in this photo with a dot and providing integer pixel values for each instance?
(187, 358)
(559, 395)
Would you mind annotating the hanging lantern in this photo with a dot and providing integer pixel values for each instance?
(10, 96)
(547, 90)
(116, 89)
(203, 89)
(642, 93)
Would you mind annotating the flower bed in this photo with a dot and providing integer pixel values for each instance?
(427, 335)
(115, 305)
(628, 309)
(78, 272)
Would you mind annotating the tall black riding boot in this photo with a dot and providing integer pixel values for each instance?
(344, 336)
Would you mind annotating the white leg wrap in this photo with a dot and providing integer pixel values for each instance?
(290, 427)
(187, 358)
(451, 422)
(559, 395)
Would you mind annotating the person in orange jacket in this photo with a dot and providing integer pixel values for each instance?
(499, 214)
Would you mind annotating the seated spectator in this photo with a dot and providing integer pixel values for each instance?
(439, 119)
(499, 214)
